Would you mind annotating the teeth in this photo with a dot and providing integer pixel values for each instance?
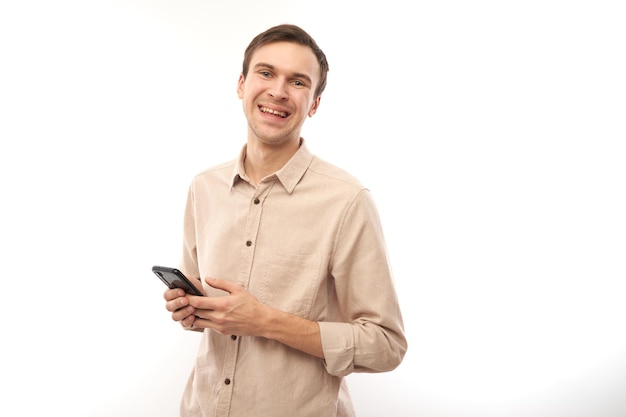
(277, 113)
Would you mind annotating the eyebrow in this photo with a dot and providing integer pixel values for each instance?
(295, 74)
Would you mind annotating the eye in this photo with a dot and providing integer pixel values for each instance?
(299, 83)
(265, 74)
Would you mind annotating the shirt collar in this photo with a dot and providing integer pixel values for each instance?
(238, 171)
(289, 175)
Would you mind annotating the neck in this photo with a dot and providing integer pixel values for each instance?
(263, 160)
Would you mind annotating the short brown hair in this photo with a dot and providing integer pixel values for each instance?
(288, 33)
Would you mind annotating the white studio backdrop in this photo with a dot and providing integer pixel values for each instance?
(491, 134)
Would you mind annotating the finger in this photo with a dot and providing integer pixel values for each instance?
(189, 322)
(222, 284)
(171, 294)
(176, 304)
(183, 313)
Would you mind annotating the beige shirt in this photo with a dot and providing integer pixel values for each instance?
(308, 241)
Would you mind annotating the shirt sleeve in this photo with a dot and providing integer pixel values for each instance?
(370, 337)
(189, 260)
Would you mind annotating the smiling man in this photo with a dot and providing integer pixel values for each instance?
(290, 254)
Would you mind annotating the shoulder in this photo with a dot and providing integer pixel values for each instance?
(215, 179)
(217, 172)
(330, 173)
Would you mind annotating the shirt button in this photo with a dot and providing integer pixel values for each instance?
(227, 381)
(249, 243)
(257, 201)
(233, 337)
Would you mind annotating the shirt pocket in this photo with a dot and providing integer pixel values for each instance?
(290, 282)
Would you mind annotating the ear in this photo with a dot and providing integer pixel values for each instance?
(315, 105)
(240, 83)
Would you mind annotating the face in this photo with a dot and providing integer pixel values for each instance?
(278, 92)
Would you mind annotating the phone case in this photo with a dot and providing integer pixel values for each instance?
(174, 278)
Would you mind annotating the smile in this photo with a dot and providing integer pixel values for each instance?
(281, 114)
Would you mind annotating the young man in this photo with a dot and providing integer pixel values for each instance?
(290, 254)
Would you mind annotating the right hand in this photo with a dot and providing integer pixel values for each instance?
(177, 303)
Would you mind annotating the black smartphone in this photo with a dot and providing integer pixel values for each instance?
(174, 278)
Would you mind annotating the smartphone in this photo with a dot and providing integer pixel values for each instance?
(174, 278)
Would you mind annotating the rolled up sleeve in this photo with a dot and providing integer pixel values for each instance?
(371, 337)
(338, 346)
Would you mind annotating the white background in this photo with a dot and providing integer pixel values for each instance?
(491, 134)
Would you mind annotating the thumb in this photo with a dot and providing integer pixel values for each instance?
(222, 284)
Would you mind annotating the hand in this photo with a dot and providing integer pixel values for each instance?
(237, 313)
(177, 303)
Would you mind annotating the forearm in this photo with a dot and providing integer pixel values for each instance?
(293, 331)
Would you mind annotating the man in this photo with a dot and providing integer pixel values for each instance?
(291, 256)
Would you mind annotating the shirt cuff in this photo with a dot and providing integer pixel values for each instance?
(338, 347)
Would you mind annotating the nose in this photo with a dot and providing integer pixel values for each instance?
(278, 89)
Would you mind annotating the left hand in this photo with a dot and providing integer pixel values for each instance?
(236, 313)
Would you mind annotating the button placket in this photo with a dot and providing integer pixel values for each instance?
(256, 201)
(253, 220)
